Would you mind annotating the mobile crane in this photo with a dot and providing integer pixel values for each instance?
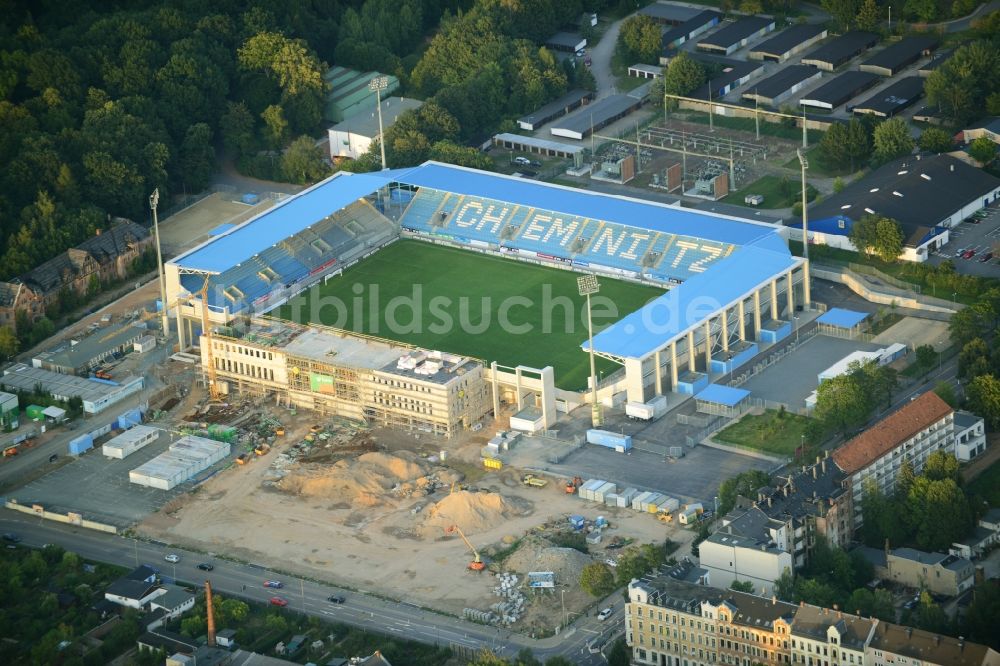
(476, 564)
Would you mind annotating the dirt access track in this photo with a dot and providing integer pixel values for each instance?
(340, 531)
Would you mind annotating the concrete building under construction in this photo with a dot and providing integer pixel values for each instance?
(334, 372)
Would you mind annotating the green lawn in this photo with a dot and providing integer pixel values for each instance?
(776, 193)
(447, 288)
(767, 432)
(818, 164)
(987, 485)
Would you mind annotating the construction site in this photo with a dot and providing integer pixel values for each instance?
(405, 516)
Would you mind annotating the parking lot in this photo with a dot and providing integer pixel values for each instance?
(98, 487)
(974, 247)
(694, 478)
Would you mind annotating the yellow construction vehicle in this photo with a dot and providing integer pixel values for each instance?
(535, 481)
(665, 517)
(477, 563)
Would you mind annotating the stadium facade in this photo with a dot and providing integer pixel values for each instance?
(731, 286)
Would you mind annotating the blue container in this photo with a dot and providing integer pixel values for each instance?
(611, 440)
(576, 522)
(81, 444)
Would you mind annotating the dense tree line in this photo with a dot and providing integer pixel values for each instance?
(848, 401)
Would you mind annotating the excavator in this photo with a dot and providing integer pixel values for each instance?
(476, 564)
(571, 486)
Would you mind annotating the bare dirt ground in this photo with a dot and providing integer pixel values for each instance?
(353, 522)
(914, 332)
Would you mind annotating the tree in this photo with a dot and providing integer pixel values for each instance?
(926, 356)
(869, 16)
(8, 343)
(963, 83)
(303, 162)
(924, 11)
(636, 562)
(974, 359)
(888, 239)
(197, 157)
(980, 623)
(277, 127)
(943, 511)
(983, 394)
(619, 654)
(935, 140)
(983, 150)
(742, 586)
(946, 392)
(639, 39)
(940, 466)
(683, 75)
(597, 580)
(744, 484)
(975, 321)
(834, 144)
(784, 586)
(892, 139)
(843, 402)
(844, 12)
(858, 142)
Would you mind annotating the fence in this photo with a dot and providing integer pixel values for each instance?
(693, 419)
(68, 518)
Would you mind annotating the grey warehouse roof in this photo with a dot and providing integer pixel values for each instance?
(894, 98)
(571, 98)
(736, 32)
(773, 86)
(843, 87)
(788, 39)
(23, 377)
(902, 52)
(844, 47)
(597, 113)
(669, 12)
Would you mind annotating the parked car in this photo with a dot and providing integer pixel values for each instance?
(336, 599)
(170, 557)
(276, 584)
(968, 254)
(611, 562)
(960, 252)
(278, 601)
(986, 257)
(206, 566)
(524, 161)
(54, 457)
(11, 537)
(605, 614)
(581, 53)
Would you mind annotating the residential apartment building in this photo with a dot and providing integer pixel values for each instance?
(970, 436)
(825, 637)
(912, 433)
(672, 622)
(358, 377)
(762, 537)
(940, 573)
(105, 256)
(896, 645)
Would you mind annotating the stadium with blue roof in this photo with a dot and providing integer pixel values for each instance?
(732, 284)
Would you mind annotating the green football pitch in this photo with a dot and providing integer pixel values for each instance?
(472, 304)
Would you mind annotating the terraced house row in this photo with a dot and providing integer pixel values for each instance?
(672, 622)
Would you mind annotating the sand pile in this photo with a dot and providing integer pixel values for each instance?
(536, 555)
(473, 512)
(365, 479)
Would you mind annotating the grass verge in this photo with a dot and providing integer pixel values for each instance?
(773, 432)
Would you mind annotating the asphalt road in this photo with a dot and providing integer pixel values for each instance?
(360, 610)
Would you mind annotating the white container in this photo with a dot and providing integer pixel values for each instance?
(638, 500)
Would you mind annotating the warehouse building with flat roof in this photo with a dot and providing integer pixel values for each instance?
(675, 37)
(789, 42)
(735, 36)
(936, 61)
(570, 42)
(836, 52)
(896, 57)
(839, 90)
(734, 74)
(666, 13)
(779, 87)
(893, 99)
(97, 394)
(531, 144)
(595, 116)
(572, 100)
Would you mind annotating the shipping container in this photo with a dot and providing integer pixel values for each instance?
(128, 419)
(603, 491)
(81, 444)
(587, 489)
(669, 504)
(639, 410)
(576, 522)
(651, 501)
(639, 499)
(625, 497)
(130, 441)
(608, 439)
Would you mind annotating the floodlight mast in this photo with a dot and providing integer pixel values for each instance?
(377, 85)
(154, 201)
(804, 163)
(587, 285)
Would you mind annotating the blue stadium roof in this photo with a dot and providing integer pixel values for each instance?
(286, 219)
(722, 395)
(687, 305)
(572, 201)
(842, 318)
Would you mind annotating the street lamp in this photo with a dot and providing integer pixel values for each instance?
(587, 285)
(804, 163)
(154, 201)
(377, 85)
